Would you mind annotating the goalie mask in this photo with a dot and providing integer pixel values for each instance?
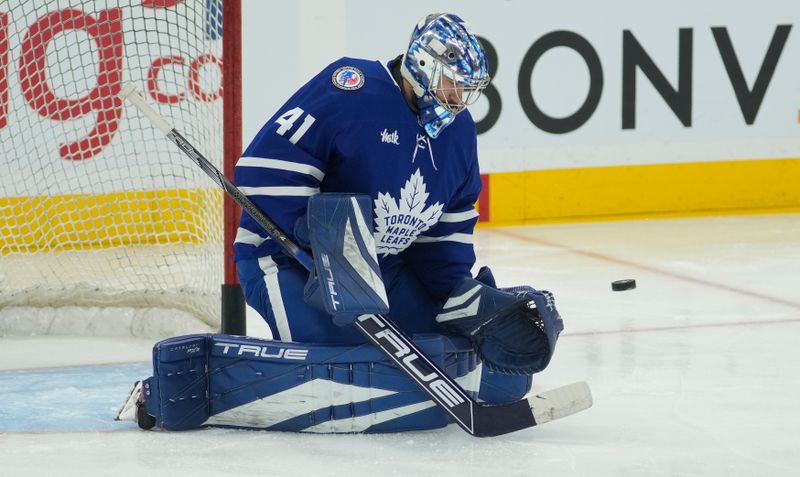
(446, 66)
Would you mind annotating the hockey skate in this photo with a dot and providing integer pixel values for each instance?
(134, 409)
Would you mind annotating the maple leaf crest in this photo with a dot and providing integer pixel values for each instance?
(398, 223)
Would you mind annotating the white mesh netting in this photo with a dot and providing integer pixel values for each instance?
(97, 209)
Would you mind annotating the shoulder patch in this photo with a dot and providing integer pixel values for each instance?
(348, 78)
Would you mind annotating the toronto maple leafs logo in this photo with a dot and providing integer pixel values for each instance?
(398, 223)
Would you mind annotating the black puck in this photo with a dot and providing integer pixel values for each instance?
(622, 285)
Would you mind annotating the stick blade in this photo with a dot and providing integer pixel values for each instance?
(560, 402)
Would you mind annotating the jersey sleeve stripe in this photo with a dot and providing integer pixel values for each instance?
(281, 165)
(245, 236)
(280, 191)
(459, 216)
(457, 237)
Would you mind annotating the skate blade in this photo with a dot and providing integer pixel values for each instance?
(128, 410)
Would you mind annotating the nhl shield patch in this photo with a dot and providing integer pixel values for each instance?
(348, 78)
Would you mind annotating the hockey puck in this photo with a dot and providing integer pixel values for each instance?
(622, 285)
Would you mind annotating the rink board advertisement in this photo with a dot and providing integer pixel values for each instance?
(678, 108)
(673, 108)
(78, 168)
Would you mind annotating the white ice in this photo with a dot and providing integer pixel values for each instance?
(694, 373)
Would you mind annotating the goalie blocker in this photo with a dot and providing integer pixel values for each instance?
(346, 281)
(234, 381)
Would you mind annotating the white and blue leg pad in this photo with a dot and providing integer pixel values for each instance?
(234, 381)
(347, 278)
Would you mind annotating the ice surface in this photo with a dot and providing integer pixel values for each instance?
(694, 373)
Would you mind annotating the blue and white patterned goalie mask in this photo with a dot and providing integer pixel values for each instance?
(446, 66)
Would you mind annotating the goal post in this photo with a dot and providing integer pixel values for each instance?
(103, 225)
(233, 317)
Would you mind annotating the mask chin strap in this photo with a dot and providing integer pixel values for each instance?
(432, 116)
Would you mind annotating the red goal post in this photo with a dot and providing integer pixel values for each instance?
(105, 228)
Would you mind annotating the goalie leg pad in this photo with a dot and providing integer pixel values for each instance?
(233, 381)
(514, 330)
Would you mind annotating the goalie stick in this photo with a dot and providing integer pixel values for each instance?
(480, 420)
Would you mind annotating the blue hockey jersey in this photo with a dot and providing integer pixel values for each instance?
(349, 129)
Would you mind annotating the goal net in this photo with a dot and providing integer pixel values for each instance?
(105, 228)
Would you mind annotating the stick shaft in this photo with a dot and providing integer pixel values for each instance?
(129, 92)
